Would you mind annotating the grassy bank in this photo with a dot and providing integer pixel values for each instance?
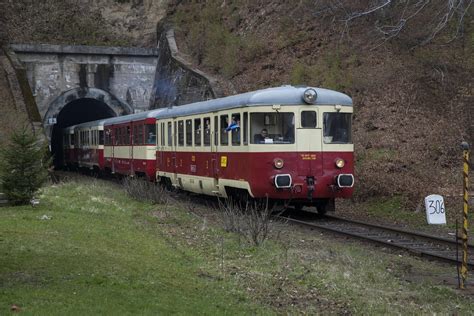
(88, 248)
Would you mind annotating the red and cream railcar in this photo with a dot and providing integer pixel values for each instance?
(89, 145)
(289, 144)
(130, 144)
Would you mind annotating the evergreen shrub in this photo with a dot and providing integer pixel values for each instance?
(23, 167)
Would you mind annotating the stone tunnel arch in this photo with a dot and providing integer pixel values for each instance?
(78, 106)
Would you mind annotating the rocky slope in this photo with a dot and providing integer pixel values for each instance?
(413, 101)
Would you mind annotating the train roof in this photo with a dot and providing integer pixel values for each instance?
(133, 117)
(284, 95)
(90, 124)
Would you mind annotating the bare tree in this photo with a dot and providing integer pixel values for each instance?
(391, 18)
(252, 220)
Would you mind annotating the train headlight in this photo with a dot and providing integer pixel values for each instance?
(310, 95)
(340, 163)
(278, 163)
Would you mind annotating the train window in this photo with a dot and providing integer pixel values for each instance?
(140, 134)
(207, 131)
(150, 134)
(197, 132)
(135, 135)
(189, 132)
(245, 128)
(216, 130)
(122, 136)
(180, 133)
(234, 128)
(162, 134)
(308, 119)
(272, 128)
(101, 137)
(337, 128)
(224, 125)
(170, 135)
(71, 139)
(128, 135)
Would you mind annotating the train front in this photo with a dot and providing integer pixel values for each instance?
(303, 153)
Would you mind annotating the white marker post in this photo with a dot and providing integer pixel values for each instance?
(435, 211)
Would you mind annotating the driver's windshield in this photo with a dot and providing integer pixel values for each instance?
(272, 128)
(337, 128)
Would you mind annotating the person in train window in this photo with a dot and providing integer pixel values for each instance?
(260, 138)
(151, 138)
(235, 124)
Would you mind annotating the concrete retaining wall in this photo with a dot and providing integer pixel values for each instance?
(176, 81)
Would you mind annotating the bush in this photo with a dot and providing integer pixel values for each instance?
(252, 220)
(23, 167)
(144, 190)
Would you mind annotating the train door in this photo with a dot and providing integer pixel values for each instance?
(308, 144)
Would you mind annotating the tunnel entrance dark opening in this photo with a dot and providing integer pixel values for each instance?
(76, 112)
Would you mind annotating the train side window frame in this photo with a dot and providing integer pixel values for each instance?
(101, 137)
(216, 130)
(150, 133)
(135, 134)
(223, 124)
(206, 131)
(181, 133)
(128, 135)
(307, 122)
(170, 134)
(197, 131)
(162, 134)
(245, 128)
(234, 129)
(189, 132)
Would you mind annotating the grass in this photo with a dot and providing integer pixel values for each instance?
(101, 252)
(98, 253)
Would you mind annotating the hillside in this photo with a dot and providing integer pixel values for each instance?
(413, 101)
(413, 97)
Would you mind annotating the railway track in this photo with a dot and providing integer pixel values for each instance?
(433, 247)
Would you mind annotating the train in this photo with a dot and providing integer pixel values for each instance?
(291, 145)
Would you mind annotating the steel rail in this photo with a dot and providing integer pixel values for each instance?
(419, 244)
(402, 231)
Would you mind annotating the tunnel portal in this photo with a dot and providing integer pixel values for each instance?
(76, 112)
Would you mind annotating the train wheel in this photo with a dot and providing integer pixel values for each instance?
(325, 205)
